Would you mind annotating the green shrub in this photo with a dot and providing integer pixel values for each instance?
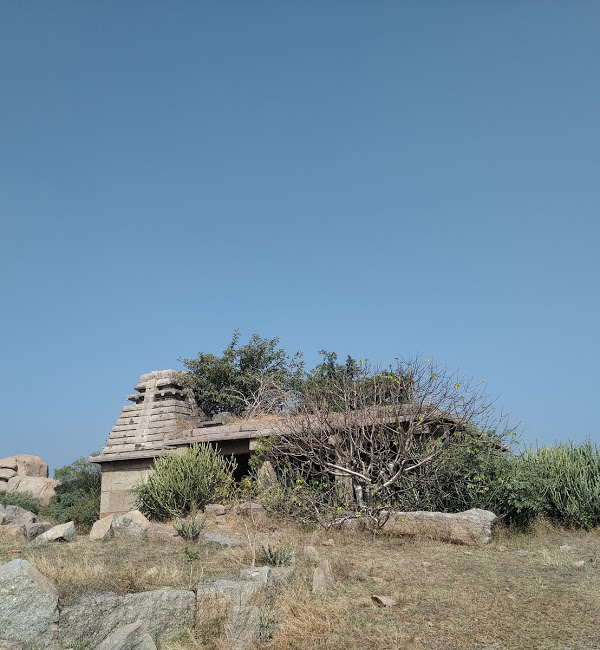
(278, 555)
(22, 499)
(191, 529)
(77, 495)
(183, 482)
(573, 476)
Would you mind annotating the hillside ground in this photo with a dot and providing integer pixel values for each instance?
(523, 591)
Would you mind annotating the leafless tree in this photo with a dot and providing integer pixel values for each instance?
(365, 430)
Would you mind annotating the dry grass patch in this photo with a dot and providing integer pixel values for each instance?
(524, 591)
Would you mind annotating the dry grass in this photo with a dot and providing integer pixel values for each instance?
(540, 590)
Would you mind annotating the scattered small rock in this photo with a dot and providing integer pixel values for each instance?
(320, 582)
(311, 553)
(102, 529)
(565, 548)
(579, 563)
(256, 574)
(501, 549)
(250, 508)
(215, 509)
(162, 533)
(328, 542)
(384, 601)
(426, 564)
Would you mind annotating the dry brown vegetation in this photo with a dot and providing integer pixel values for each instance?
(536, 590)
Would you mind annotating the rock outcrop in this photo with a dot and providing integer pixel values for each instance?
(17, 522)
(61, 533)
(28, 606)
(25, 473)
(471, 527)
(162, 613)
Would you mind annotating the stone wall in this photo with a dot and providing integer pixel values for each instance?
(118, 479)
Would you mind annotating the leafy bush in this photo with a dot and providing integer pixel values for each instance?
(78, 494)
(191, 529)
(278, 555)
(246, 379)
(183, 482)
(21, 499)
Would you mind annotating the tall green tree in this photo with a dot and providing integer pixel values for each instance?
(246, 380)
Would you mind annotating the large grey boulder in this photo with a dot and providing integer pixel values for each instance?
(238, 592)
(16, 532)
(243, 627)
(6, 473)
(43, 489)
(28, 606)
(30, 524)
(25, 465)
(8, 645)
(163, 613)
(131, 524)
(36, 528)
(18, 515)
(61, 533)
(128, 637)
(471, 527)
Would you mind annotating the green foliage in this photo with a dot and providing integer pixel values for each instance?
(21, 499)
(191, 529)
(278, 555)
(573, 482)
(191, 554)
(232, 382)
(181, 483)
(78, 494)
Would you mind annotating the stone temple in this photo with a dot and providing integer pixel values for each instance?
(163, 416)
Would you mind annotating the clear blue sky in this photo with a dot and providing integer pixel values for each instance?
(375, 178)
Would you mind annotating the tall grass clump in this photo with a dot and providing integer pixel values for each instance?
(573, 479)
(183, 482)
